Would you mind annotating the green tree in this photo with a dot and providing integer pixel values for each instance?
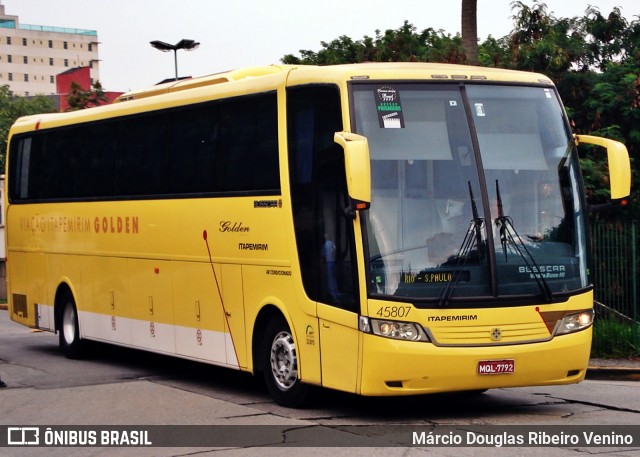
(11, 108)
(541, 42)
(495, 52)
(404, 44)
(607, 38)
(80, 99)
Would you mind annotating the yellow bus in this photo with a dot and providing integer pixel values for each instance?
(380, 229)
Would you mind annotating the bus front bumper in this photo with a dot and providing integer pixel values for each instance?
(392, 367)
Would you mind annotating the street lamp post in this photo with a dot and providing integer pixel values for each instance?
(187, 45)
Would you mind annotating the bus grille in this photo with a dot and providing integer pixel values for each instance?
(490, 335)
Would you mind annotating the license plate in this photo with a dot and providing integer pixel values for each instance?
(496, 366)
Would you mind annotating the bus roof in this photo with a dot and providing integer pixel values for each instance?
(253, 79)
(192, 83)
(378, 70)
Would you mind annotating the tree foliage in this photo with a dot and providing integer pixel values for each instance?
(79, 98)
(11, 108)
(594, 60)
(404, 44)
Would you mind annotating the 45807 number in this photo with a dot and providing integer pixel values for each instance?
(393, 311)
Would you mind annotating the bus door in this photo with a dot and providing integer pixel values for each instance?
(324, 232)
(337, 309)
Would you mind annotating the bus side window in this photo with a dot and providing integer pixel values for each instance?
(247, 158)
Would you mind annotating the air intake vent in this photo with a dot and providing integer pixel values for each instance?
(20, 305)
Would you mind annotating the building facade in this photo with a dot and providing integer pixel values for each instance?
(31, 56)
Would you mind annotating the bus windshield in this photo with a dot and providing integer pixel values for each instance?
(475, 192)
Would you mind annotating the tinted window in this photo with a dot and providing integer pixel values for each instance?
(141, 149)
(192, 150)
(324, 235)
(248, 158)
(223, 146)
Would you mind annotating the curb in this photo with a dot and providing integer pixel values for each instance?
(609, 373)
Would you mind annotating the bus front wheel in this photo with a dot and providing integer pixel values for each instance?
(280, 367)
(69, 333)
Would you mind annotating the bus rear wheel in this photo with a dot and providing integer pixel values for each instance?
(280, 366)
(69, 333)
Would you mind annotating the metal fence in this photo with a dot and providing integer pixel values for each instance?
(614, 268)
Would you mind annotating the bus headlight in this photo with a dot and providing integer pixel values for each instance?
(575, 322)
(408, 331)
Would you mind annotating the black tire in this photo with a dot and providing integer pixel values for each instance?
(280, 366)
(69, 332)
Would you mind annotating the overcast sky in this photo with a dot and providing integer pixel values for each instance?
(241, 33)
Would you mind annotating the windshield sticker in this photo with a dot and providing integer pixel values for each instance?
(480, 109)
(389, 108)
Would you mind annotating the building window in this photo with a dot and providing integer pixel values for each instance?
(52, 79)
(90, 46)
(10, 58)
(25, 60)
(24, 42)
(51, 43)
(10, 76)
(66, 62)
(51, 61)
(66, 45)
(26, 78)
(91, 64)
(8, 40)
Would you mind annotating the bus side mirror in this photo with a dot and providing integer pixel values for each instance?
(357, 166)
(619, 164)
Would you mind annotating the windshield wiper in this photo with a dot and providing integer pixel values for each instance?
(510, 237)
(473, 238)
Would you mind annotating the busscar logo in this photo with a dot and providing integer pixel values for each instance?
(23, 436)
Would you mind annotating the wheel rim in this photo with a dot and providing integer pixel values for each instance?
(69, 324)
(284, 362)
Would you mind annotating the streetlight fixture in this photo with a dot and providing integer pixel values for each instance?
(187, 45)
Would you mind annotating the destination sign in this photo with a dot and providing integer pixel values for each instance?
(435, 277)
